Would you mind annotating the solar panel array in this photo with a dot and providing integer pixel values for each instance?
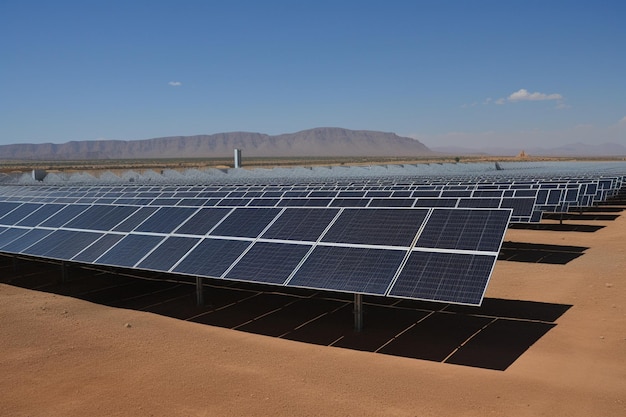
(431, 239)
(362, 250)
(528, 197)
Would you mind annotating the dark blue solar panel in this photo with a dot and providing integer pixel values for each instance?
(25, 240)
(63, 216)
(19, 213)
(263, 202)
(192, 202)
(446, 277)
(135, 219)
(95, 250)
(101, 217)
(300, 224)
(165, 220)
(203, 221)
(40, 215)
(479, 203)
(304, 202)
(520, 206)
(391, 202)
(554, 197)
(7, 207)
(480, 230)
(393, 227)
(270, 263)
(367, 271)
(246, 222)
(233, 202)
(350, 202)
(212, 257)
(62, 244)
(9, 235)
(128, 251)
(436, 202)
(168, 253)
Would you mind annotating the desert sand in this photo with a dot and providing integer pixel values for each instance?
(62, 356)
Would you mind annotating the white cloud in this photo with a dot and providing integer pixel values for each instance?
(524, 95)
(622, 121)
(175, 83)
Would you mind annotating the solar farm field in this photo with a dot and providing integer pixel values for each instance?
(98, 316)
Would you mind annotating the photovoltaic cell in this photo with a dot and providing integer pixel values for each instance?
(25, 240)
(5, 208)
(463, 229)
(96, 249)
(447, 277)
(128, 251)
(165, 220)
(64, 215)
(367, 271)
(135, 219)
(43, 213)
(268, 262)
(300, 224)
(212, 257)
(168, 253)
(62, 244)
(101, 217)
(9, 235)
(19, 213)
(246, 222)
(203, 221)
(392, 227)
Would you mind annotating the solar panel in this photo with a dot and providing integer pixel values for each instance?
(128, 251)
(245, 222)
(393, 227)
(267, 262)
(300, 224)
(211, 258)
(464, 230)
(168, 253)
(62, 244)
(349, 269)
(447, 277)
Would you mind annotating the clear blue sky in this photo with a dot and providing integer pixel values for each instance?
(469, 73)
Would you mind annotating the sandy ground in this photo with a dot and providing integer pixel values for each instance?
(61, 356)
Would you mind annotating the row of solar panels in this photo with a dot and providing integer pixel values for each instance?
(435, 254)
(528, 200)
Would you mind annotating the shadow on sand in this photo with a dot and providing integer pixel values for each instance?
(492, 336)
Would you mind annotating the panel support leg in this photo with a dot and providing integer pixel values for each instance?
(358, 312)
(199, 291)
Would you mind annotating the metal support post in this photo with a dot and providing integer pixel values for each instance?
(358, 312)
(199, 291)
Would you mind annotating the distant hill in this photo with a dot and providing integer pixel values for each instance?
(318, 142)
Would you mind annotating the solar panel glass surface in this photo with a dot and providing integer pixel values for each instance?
(459, 229)
(128, 251)
(268, 262)
(391, 227)
(448, 277)
(301, 224)
(212, 257)
(360, 270)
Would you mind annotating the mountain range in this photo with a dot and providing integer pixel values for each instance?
(318, 142)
